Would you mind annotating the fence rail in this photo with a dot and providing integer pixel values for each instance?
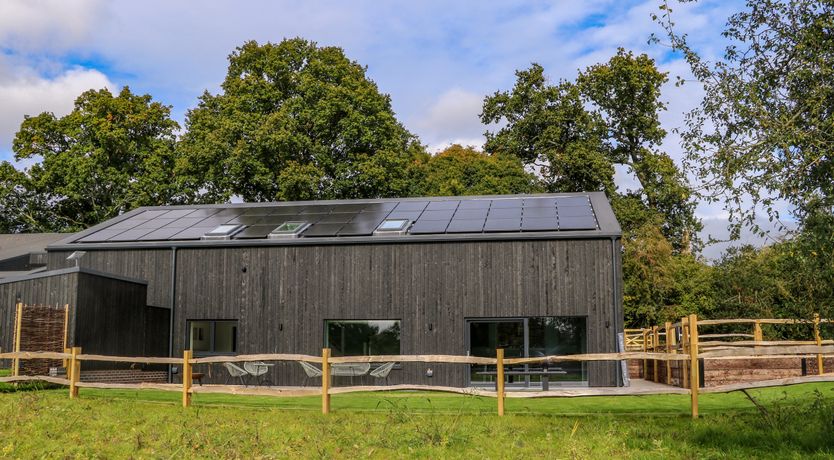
(687, 351)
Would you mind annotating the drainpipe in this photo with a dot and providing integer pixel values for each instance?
(614, 283)
(173, 303)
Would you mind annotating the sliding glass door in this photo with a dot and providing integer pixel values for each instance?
(528, 337)
(485, 336)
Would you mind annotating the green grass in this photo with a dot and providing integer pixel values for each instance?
(150, 424)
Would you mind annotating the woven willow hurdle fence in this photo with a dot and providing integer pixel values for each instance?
(74, 357)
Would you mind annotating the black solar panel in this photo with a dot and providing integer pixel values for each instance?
(214, 221)
(502, 225)
(204, 212)
(358, 229)
(539, 203)
(575, 211)
(437, 215)
(442, 215)
(100, 236)
(160, 234)
(131, 235)
(474, 204)
(155, 223)
(539, 224)
(338, 218)
(193, 233)
(313, 209)
(177, 213)
(471, 213)
(572, 201)
(271, 220)
(284, 210)
(442, 205)
(259, 211)
(411, 206)
(246, 220)
(309, 218)
(505, 213)
(369, 218)
(322, 230)
(255, 231)
(509, 203)
(186, 222)
(539, 212)
(127, 224)
(465, 226)
(410, 215)
(429, 226)
(379, 207)
(577, 223)
(150, 214)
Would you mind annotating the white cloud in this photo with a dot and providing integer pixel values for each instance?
(23, 92)
(452, 118)
(47, 24)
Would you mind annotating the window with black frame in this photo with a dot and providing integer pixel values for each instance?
(362, 337)
(208, 337)
(528, 337)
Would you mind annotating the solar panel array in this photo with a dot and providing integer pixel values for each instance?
(476, 215)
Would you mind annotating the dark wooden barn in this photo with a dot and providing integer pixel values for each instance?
(535, 275)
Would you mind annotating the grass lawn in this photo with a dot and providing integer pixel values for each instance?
(114, 423)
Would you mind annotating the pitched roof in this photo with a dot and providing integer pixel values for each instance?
(19, 244)
(500, 217)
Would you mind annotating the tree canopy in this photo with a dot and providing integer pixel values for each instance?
(574, 133)
(459, 170)
(764, 133)
(294, 121)
(109, 155)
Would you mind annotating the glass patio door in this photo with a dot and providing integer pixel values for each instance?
(485, 336)
(528, 337)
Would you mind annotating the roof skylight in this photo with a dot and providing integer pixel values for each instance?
(288, 230)
(393, 227)
(223, 232)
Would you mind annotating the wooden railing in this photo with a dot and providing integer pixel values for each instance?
(726, 345)
(688, 351)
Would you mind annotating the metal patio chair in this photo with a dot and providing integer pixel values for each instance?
(383, 371)
(310, 370)
(235, 372)
(256, 369)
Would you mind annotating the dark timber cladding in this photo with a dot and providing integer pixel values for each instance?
(495, 257)
(107, 313)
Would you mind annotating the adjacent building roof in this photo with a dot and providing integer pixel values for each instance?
(22, 253)
(572, 215)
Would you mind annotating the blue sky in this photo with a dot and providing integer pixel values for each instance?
(437, 59)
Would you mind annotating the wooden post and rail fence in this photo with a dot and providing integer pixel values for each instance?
(687, 351)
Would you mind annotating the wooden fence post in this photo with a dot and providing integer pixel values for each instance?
(818, 339)
(325, 381)
(75, 372)
(694, 379)
(655, 345)
(757, 331)
(685, 346)
(186, 378)
(670, 336)
(18, 327)
(645, 350)
(499, 380)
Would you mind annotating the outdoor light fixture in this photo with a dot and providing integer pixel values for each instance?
(431, 326)
(76, 256)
